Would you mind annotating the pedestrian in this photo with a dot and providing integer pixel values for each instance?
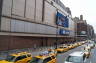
(84, 48)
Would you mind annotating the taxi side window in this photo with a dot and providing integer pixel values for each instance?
(53, 57)
(29, 55)
(20, 58)
(47, 60)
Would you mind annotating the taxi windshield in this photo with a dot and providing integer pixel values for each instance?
(64, 47)
(36, 60)
(74, 59)
(10, 58)
(60, 47)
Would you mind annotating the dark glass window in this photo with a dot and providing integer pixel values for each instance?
(47, 60)
(29, 55)
(20, 58)
(10, 58)
(53, 57)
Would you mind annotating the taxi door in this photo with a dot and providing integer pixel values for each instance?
(48, 60)
(65, 49)
(53, 59)
(17, 60)
(21, 59)
(29, 57)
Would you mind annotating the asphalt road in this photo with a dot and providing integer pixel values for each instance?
(62, 56)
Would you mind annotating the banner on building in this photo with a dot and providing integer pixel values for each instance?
(62, 20)
(83, 32)
(64, 32)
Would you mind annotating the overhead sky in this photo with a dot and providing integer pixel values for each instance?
(85, 7)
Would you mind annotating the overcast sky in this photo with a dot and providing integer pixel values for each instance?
(85, 7)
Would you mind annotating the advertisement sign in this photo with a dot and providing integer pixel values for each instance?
(83, 32)
(64, 32)
(62, 20)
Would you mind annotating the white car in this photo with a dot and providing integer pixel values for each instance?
(76, 57)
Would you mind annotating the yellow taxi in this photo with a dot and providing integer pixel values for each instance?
(62, 49)
(70, 46)
(80, 43)
(52, 52)
(83, 42)
(22, 57)
(43, 59)
(75, 45)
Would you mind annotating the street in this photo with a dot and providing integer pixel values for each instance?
(62, 56)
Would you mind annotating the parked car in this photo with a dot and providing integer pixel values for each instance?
(80, 43)
(62, 49)
(70, 46)
(76, 57)
(52, 52)
(75, 45)
(22, 57)
(46, 58)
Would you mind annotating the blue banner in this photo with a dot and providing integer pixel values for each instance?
(64, 32)
(62, 20)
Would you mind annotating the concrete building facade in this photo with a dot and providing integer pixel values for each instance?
(25, 23)
(91, 33)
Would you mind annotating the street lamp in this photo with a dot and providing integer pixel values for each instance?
(56, 37)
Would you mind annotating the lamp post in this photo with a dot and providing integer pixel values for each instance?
(87, 33)
(56, 37)
(56, 43)
(76, 30)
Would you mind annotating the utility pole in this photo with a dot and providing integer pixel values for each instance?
(76, 31)
(87, 33)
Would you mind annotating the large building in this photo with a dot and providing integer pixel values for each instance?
(29, 23)
(91, 33)
(83, 31)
